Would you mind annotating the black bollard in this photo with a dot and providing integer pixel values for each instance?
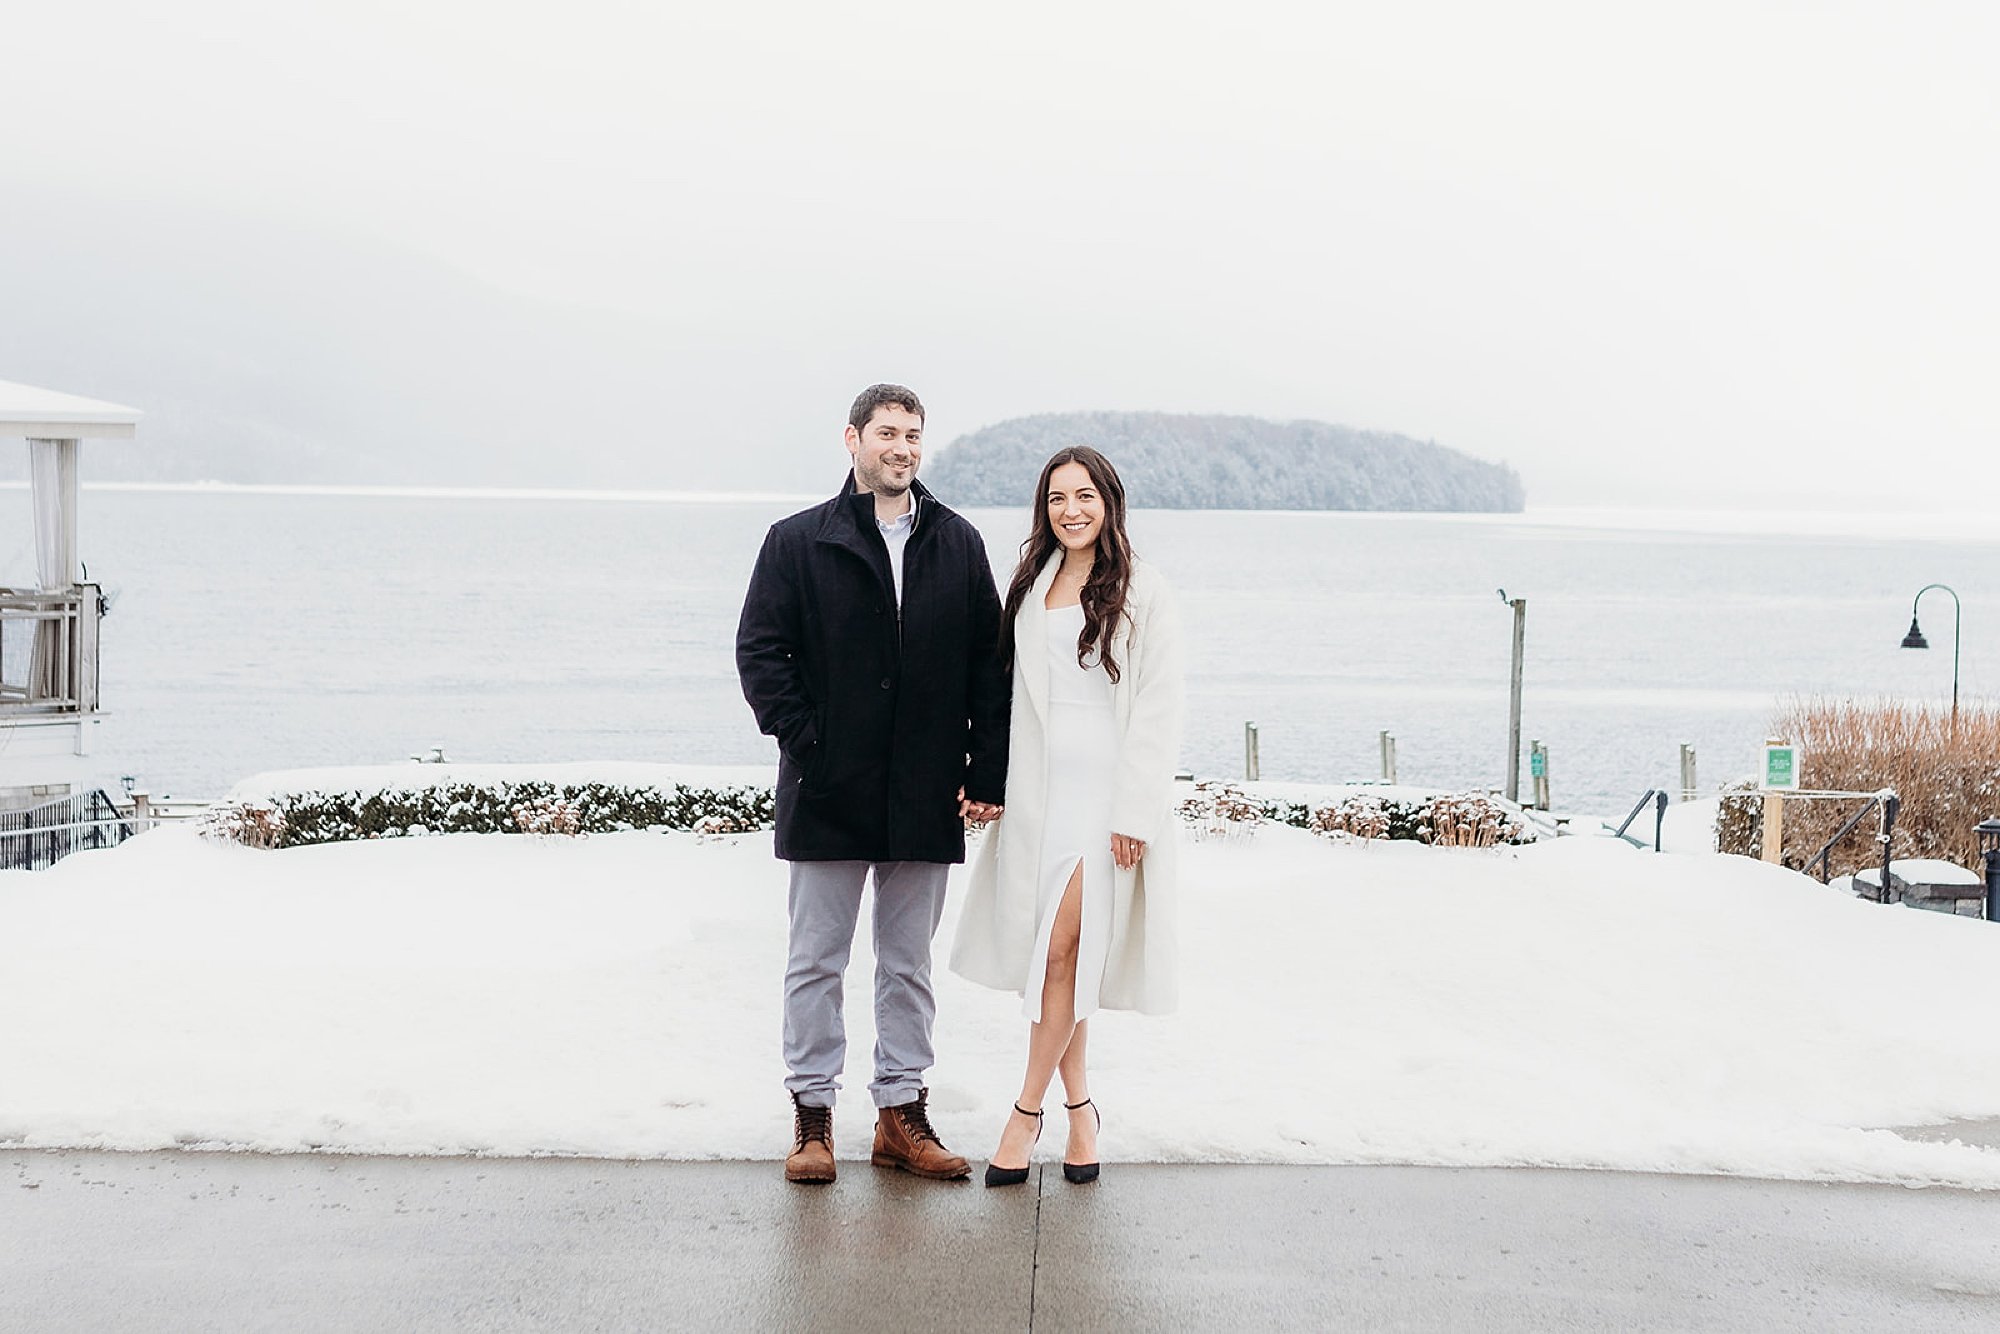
(1989, 848)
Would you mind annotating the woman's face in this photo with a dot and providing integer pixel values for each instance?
(1075, 509)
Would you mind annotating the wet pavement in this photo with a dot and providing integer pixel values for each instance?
(223, 1241)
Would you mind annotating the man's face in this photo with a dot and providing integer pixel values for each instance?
(887, 450)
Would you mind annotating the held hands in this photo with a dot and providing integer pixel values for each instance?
(1127, 851)
(976, 813)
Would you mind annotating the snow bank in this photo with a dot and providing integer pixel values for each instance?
(1572, 1003)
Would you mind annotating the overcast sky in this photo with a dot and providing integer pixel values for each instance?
(1738, 254)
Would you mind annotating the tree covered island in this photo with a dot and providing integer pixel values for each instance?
(1176, 461)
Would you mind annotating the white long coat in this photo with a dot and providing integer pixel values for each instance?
(997, 927)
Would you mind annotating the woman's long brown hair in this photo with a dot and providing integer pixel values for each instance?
(1110, 573)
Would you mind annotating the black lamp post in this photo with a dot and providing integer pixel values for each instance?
(1520, 606)
(1915, 639)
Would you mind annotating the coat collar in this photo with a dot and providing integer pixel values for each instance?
(848, 520)
(851, 513)
(1031, 638)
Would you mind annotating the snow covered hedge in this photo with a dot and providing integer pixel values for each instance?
(1443, 819)
(298, 819)
(298, 814)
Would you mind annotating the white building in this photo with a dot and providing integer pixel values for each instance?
(48, 634)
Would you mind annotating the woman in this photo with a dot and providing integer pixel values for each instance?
(1071, 894)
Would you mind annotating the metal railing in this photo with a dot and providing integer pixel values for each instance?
(48, 650)
(1885, 843)
(1823, 859)
(35, 837)
(1658, 798)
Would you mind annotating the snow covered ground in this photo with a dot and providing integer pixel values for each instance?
(1572, 1003)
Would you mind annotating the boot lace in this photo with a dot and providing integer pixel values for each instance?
(917, 1120)
(814, 1123)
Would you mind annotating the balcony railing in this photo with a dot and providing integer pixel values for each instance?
(48, 650)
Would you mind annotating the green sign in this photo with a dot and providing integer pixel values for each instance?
(1781, 768)
(1538, 764)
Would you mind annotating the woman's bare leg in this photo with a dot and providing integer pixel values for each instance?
(1049, 1039)
(1076, 1088)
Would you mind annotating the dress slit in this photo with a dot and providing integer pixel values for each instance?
(1045, 934)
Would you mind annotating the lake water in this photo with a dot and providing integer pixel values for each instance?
(254, 630)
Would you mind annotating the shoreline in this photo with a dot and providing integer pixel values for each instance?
(1904, 525)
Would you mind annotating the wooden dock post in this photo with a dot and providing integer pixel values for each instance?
(1689, 788)
(1251, 766)
(142, 812)
(1388, 757)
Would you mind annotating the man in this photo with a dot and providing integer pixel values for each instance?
(869, 648)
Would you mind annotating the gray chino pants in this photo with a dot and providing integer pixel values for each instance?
(825, 904)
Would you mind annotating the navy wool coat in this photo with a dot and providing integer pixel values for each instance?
(880, 718)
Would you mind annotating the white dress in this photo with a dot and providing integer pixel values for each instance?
(1082, 767)
(1007, 894)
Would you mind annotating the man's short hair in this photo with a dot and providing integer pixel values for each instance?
(878, 395)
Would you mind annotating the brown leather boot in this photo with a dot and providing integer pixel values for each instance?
(812, 1157)
(904, 1139)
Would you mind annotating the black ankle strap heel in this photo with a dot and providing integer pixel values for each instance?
(1014, 1176)
(1082, 1174)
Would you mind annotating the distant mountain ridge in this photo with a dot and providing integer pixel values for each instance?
(271, 351)
(1175, 461)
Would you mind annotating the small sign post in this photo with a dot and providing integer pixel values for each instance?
(1781, 767)
(1781, 774)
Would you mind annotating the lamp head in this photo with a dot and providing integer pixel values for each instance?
(1915, 639)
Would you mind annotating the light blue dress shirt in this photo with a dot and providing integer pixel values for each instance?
(896, 533)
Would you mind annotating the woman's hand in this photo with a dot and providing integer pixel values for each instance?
(1127, 851)
(976, 813)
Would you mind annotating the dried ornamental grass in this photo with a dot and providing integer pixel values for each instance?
(1358, 816)
(1219, 810)
(549, 817)
(1471, 820)
(249, 823)
(1948, 782)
